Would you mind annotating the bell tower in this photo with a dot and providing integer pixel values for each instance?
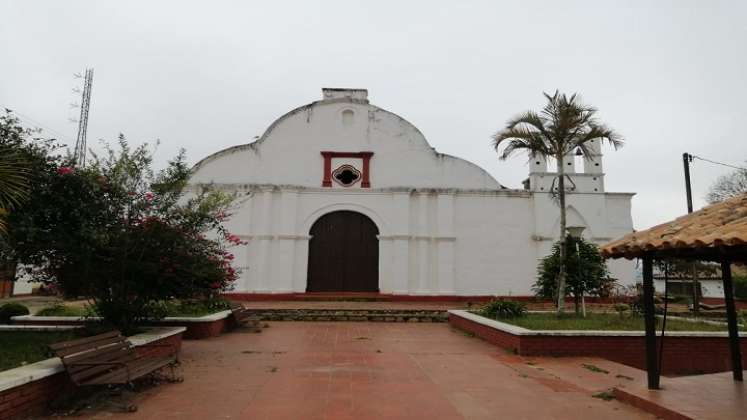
(586, 178)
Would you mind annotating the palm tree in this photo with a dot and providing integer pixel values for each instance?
(563, 125)
(14, 182)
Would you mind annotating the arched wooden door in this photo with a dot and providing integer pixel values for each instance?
(343, 254)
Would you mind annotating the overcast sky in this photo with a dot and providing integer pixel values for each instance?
(670, 76)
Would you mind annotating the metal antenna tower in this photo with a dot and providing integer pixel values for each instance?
(80, 143)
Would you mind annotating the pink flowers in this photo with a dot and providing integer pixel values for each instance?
(235, 240)
(229, 257)
(149, 196)
(65, 170)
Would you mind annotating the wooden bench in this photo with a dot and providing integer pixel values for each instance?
(243, 317)
(109, 359)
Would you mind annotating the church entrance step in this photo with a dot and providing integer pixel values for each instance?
(354, 315)
(342, 297)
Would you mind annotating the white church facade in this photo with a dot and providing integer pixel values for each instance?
(342, 196)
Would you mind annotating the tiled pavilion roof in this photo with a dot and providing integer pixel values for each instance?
(720, 227)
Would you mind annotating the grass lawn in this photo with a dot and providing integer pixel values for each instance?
(23, 347)
(597, 321)
(63, 310)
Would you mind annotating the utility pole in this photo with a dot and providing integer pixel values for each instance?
(80, 143)
(686, 159)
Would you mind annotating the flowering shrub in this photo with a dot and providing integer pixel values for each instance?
(124, 236)
(65, 170)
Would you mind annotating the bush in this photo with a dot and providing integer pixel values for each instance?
(586, 272)
(195, 307)
(10, 310)
(500, 308)
(740, 287)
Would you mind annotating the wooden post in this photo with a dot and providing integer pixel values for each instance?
(731, 317)
(652, 368)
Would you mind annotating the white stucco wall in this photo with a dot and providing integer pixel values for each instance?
(446, 226)
(23, 284)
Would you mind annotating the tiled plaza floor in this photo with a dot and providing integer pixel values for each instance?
(373, 370)
(707, 397)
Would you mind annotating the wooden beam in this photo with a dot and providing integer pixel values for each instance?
(731, 317)
(736, 253)
(652, 368)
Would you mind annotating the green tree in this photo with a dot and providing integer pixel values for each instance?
(563, 126)
(14, 166)
(586, 272)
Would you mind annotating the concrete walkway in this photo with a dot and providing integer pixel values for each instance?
(367, 371)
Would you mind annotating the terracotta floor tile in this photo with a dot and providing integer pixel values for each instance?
(399, 371)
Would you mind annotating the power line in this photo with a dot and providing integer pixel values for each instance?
(718, 163)
(32, 121)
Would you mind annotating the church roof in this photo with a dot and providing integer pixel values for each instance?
(721, 226)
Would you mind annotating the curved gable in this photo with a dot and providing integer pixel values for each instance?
(289, 152)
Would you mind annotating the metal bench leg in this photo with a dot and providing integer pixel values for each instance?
(114, 392)
(174, 377)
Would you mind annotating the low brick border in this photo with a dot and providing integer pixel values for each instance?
(648, 406)
(197, 328)
(684, 352)
(28, 390)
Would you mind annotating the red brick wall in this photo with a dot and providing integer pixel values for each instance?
(33, 399)
(199, 330)
(491, 335)
(682, 355)
(174, 340)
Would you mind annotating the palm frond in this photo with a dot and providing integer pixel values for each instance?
(14, 183)
(14, 179)
(524, 132)
(601, 132)
(563, 125)
(519, 138)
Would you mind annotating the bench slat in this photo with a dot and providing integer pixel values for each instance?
(138, 368)
(95, 372)
(94, 354)
(81, 348)
(79, 371)
(85, 340)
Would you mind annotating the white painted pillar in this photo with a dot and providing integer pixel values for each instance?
(244, 252)
(400, 243)
(301, 263)
(385, 263)
(264, 240)
(283, 257)
(423, 241)
(445, 244)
